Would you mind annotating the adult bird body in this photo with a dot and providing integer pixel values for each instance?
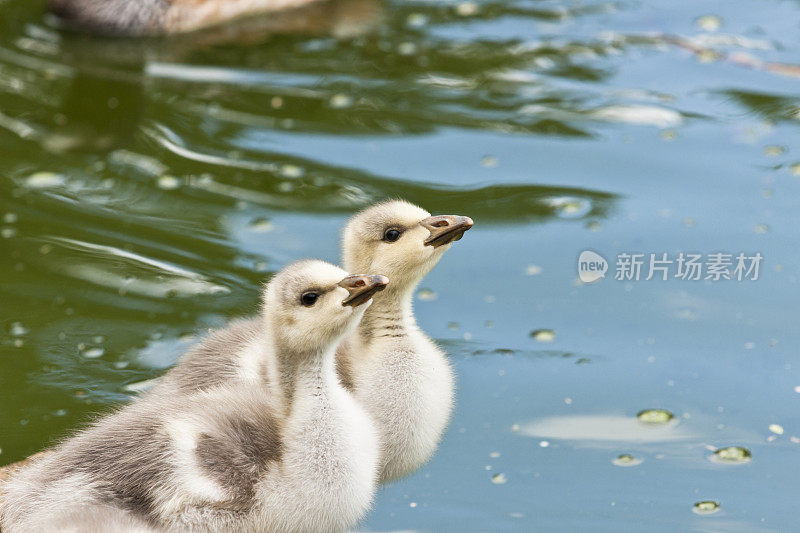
(159, 17)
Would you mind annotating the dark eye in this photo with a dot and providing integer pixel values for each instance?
(392, 235)
(309, 298)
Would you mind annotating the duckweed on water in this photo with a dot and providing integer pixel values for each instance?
(44, 180)
(626, 459)
(416, 20)
(499, 479)
(732, 455)
(655, 417)
(168, 182)
(544, 335)
(292, 171)
(92, 352)
(776, 428)
(569, 207)
(340, 101)
(467, 9)
(706, 507)
(708, 22)
(774, 150)
(260, 225)
(18, 330)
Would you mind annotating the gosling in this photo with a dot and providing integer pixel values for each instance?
(396, 372)
(284, 449)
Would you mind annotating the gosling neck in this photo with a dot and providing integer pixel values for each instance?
(390, 315)
(301, 372)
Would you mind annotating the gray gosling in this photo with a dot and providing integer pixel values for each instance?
(283, 448)
(397, 373)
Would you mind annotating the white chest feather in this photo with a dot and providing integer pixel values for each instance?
(407, 387)
(328, 471)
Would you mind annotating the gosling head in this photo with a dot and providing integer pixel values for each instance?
(400, 239)
(309, 305)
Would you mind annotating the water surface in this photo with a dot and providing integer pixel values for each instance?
(147, 189)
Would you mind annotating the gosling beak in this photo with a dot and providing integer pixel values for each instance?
(445, 229)
(362, 288)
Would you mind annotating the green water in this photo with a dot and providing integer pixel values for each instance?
(147, 189)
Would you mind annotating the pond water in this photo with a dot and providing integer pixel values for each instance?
(147, 189)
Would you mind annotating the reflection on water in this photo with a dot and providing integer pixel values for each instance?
(604, 428)
(148, 188)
